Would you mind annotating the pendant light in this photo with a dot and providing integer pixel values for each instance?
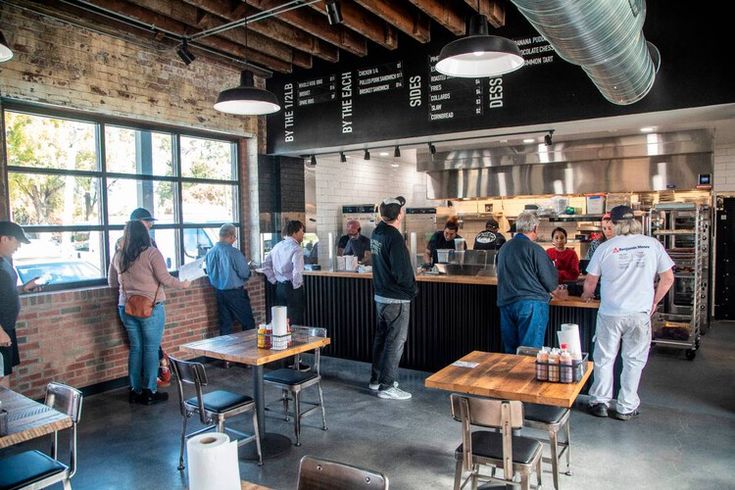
(478, 54)
(5, 52)
(247, 99)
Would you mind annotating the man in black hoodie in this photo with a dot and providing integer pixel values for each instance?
(395, 287)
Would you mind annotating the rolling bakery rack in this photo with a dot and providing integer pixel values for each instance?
(684, 230)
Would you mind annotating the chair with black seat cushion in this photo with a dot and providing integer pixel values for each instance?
(319, 474)
(213, 408)
(34, 469)
(513, 454)
(552, 420)
(293, 382)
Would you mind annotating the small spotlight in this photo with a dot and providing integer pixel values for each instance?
(366, 156)
(547, 139)
(313, 160)
(397, 152)
(432, 149)
(342, 157)
(334, 12)
(183, 51)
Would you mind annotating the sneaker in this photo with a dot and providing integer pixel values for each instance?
(160, 383)
(394, 393)
(149, 397)
(133, 396)
(598, 410)
(375, 386)
(626, 416)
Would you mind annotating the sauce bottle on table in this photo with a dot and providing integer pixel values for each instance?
(554, 365)
(566, 374)
(542, 366)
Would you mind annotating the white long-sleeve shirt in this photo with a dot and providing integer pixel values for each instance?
(285, 263)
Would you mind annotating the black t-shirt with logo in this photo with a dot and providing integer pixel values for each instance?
(489, 240)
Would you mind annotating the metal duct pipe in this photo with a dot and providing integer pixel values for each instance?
(605, 38)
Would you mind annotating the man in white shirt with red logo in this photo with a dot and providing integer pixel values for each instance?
(628, 264)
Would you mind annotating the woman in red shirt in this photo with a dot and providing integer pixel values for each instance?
(565, 259)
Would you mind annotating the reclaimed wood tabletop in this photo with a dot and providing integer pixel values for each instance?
(28, 419)
(508, 377)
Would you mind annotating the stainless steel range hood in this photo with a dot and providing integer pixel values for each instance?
(635, 163)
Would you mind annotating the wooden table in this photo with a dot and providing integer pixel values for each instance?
(246, 485)
(508, 377)
(28, 419)
(242, 348)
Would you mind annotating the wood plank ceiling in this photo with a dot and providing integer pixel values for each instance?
(282, 42)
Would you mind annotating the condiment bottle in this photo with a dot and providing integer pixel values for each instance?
(542, 365)
(554, 365)
(268, 336)
(566, 373)
(261, 336)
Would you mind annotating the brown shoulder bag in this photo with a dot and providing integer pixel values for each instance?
(137, 305)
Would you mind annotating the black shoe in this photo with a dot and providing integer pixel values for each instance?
(598, 410)
(151, 398)
(133, 396)
(626, 416)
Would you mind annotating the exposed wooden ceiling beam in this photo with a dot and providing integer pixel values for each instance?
(318, 26)
(272, 28)
(492, 9)
(364, 23)
(168, 24)
(400, 16)
(448, 16)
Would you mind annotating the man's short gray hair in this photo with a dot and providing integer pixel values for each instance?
(526, 222)
(226, 230)
(628, 227)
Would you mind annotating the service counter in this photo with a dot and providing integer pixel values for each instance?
(451, 316)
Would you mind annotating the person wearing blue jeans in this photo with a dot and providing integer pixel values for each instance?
(526, 278)
(144, 336)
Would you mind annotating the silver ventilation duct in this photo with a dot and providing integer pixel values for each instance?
(605, 38)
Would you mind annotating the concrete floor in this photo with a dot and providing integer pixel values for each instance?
(684, 438)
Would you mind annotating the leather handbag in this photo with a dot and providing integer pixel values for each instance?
(139, 306)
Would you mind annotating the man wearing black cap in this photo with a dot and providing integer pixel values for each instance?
(11, 236)
(628, 263)
(395, 287)
(489, 239)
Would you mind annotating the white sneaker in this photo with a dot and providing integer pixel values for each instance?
(394, 393)
(376, 386)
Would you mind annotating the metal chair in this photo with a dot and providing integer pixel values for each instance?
(320, 474)
(33, 469)
(292, 381)
(213, 408)
(513, 454)
(552, 420)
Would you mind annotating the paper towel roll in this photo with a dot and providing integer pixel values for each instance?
(212, 462)
(279, 322)
(569, 334)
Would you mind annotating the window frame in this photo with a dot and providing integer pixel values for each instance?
(100, 122)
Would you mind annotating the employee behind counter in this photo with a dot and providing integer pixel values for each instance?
(354, 243)
(442, 240)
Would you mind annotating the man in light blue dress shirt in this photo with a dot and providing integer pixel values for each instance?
(284, 267)
(228, 272)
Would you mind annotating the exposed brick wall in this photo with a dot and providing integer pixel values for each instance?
(76, 336)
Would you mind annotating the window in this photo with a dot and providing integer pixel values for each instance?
(72, 184)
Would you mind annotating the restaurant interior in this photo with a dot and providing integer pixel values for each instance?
(261, 112)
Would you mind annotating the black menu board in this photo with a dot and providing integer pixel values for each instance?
(399, 94)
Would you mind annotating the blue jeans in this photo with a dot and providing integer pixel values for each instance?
(390, 337)
(145, 336)
(523, 323)
(233, 303)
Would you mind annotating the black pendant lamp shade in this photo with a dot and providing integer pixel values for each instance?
(247, 100)
(479, 54)
(5, 52)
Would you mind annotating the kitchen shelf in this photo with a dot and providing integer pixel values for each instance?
(674, 232)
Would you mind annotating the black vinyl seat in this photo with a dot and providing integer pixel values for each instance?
(490, 445)
(544, 413)
(288, 376)
(213, 408)
(34, 469)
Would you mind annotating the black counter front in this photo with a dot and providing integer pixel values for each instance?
(448, 318)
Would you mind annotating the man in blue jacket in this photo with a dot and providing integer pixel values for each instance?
(526, 277)
(395, 287)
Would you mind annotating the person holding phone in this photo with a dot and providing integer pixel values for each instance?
(11, 237)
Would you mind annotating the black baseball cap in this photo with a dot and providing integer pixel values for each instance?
(619, 213)
(390, 208)
(8, 228)
(141, 214)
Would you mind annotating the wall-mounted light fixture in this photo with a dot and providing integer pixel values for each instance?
(6, 53)
(397, 152)
(246, 99)
(342, 157)
(432, 149)
(313, 160)
(334, 12)
(548, 141)
(478, 54)
(183, 51)
(366, 156)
